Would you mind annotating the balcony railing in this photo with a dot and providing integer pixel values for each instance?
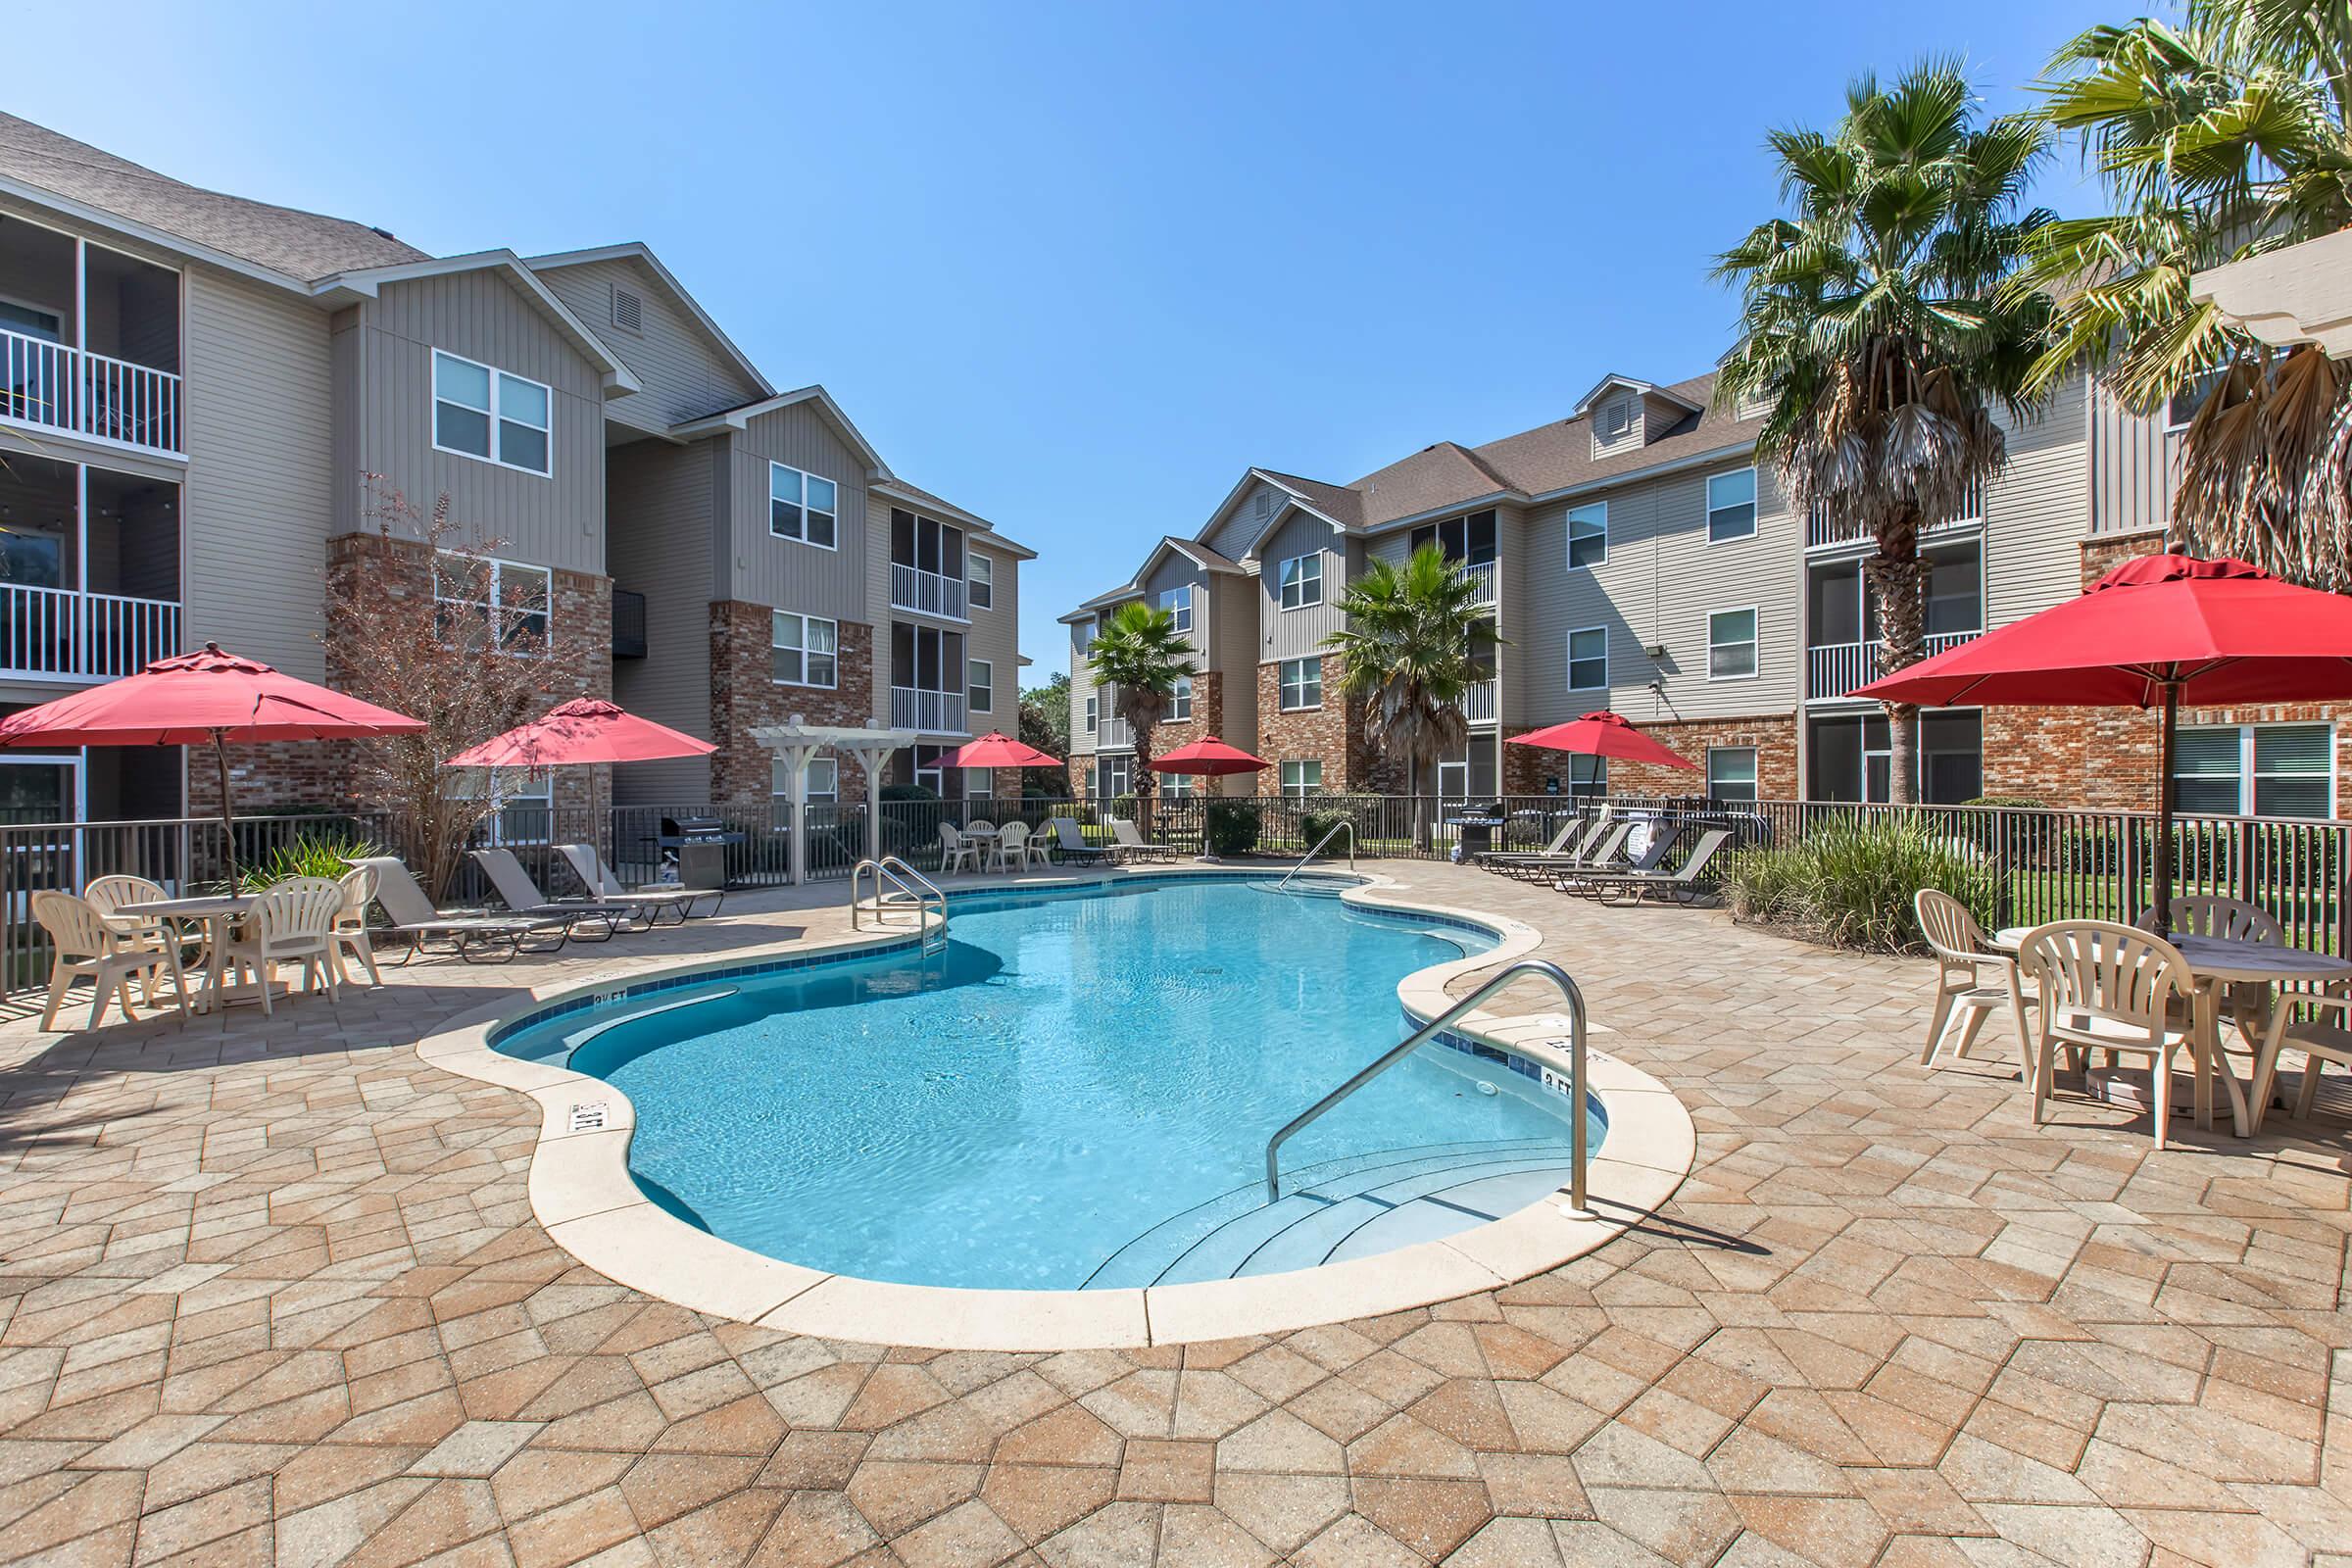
(59, 387)
(932, 712)
(1479, 575)
(628, 623)
(1116, 735)
(1821, 534)
(928, 593)
(1835, 669)
(63, 634)
(1478, 703)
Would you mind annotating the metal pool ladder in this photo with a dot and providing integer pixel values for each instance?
(1545, 967)
(1337, 828)
(909, 887)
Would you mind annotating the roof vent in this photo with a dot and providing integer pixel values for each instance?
(628, 309)
(379, 228)
(1265, 504)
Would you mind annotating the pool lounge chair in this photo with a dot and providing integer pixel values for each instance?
(1070, 847)
(1593, 843)
(1682, 884)
(1608, 863)
(521, 896)
(469, 932)
(1130, 844)
(598, 878)
(1573, 828)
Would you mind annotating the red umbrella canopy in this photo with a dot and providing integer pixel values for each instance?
(1209, 759)
(584, 730)
(197, 699)
(1604, 734)
(2217, 632)
(995, 749)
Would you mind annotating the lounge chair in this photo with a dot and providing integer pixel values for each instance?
(1071, 847)
(1131, 845)
(1662, 839)
(1682, 884)
(1558, 846)
(598, 878)
(1593, 843)
(521, 896)
(467, 931)
(1604, 850)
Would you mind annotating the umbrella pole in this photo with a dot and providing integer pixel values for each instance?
(2163, 906)
(229, 818)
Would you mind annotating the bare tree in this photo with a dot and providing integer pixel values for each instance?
(420, 618)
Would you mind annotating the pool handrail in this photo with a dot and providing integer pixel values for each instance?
(911, 885)
(1337, 828)
(1545, 967)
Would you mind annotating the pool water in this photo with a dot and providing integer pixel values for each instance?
(1078, 1091)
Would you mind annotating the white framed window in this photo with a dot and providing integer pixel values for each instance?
(1180, 701)
(1092, 710)
(1082, 636)
(1588, 659)
(1732, 645)
(27, 319)
(1179, 786)
(1114, 775)
(980, 685)
(1588, 535)
(806, 650)
(1587, 775)
(1302, 580)
(803, 506)
(1732, 772)
(1178, 603)
(1732, 506)
(481, 411)
(1300, 681)
(525, 802)
(1302, 776)
(979, 783)
(824, 780)
(2256, 769)
(510, 597)
(980, 586)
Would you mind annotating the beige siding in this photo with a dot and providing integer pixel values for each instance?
(785, 572)
(1174, 573)
(1246, 520)
(1235, 643)
(2036, 513)
(1515, 565)
(261, 481)
(684, 375)
(877, 598)
(1082, 687)
(2135, 466)
(660, 513)
(995, 636)
(554, 521)
(1298, 633)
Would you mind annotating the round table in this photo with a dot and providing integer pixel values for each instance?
(216, 914)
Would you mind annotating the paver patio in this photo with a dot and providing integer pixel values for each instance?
(276, 1294)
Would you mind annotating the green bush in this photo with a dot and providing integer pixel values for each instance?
(307, 853)
(908, 792)
(1231, 826)
(1313, 825)
(1850, 884)
(2026, 802)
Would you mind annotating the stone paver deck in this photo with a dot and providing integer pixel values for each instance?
(275, 1292)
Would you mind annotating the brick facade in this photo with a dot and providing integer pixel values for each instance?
(1332, 734)
(1526, 768)
(745, 695)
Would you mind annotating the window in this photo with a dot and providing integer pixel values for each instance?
(1588, 659)
(1588, 535)
(1302, 777)
(804, 506)
(526, 803)
(486, 413)
(982, 583)
(1587, 775)
(1089, 715)
(1732, 506)
(1955, 594)
(2256, 770)
(1468, 538)
(1302, 580)
(506, 600)
(1180, 701)
(930, 767)
(1730, 645)
(1302, 684)
(806, 650)
(1178, 601)
(2182, 406)
(824, 780)
(1082, 636)
(1468, 774)
(1114, 775)
(1732, 772)
(1179, 786)
(979, 783)
(980, 686)
(31, 321)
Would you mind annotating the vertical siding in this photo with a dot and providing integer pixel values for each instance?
(553, 521)
(2036, 514)
(2135, 466)
(684, 375)
(1297, 633)
(660, 520)
(259, 491)
(785, 572)
(1174, 573)
(1240, 608)
(1246, 520)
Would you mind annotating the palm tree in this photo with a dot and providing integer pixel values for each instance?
(1140, 653)
(2223, 137)
(1407, 655)
(1875, 327)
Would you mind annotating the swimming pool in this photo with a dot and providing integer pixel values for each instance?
(1075, 1095)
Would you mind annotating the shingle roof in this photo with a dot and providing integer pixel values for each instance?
(1435, 476)
(298, 244)
(1335, 501)
(1557, 455)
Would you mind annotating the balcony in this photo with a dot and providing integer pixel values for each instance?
(1478, 703)
(1115, 735)
(628, 623)
(1479, 575)
(927, 593)
(1835, 669)
(932, 712)
(1821, 534)
(52, 386)
(64, 634)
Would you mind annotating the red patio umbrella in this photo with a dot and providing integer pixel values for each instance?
(208, 696)
(1604, 734)
(995, 749)
(584, 730)
(1209, 759)
(2154, 632)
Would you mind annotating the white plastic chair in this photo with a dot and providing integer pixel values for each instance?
(86, 948)
(1962, 991)
(2318, 1041)
(290, 922)
(2110, 987)
(954, 851)
(110, 895)
(351, 924)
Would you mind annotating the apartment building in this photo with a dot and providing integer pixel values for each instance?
(1634, 556)
(205, 402)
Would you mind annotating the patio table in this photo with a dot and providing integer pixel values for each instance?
(986, 840)
(216, 914)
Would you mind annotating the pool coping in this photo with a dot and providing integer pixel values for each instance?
(582, 1194)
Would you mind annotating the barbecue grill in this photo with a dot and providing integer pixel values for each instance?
(700, 844)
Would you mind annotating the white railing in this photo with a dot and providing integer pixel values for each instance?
(67, 635)
(1478, 702)
(1821, 534)
(1115, 734)
(929, 593)
(933, 713)
(1479, 575)
(1835, 669)
(60, 388)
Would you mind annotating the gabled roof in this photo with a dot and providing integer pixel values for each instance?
(981, 529)
(368, 282)
(737, 418)
(283, 240)
(642, 252)
(1333, 503)
(1557, 456)
(1435, 478)
(1612, 382)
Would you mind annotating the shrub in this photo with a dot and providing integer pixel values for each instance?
(1850, 884)
(2024, 803)
(307, 853)
(1231, 826)
(908, 792)
(1313, 825)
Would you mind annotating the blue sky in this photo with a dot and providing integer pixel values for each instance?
(1073, 266)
